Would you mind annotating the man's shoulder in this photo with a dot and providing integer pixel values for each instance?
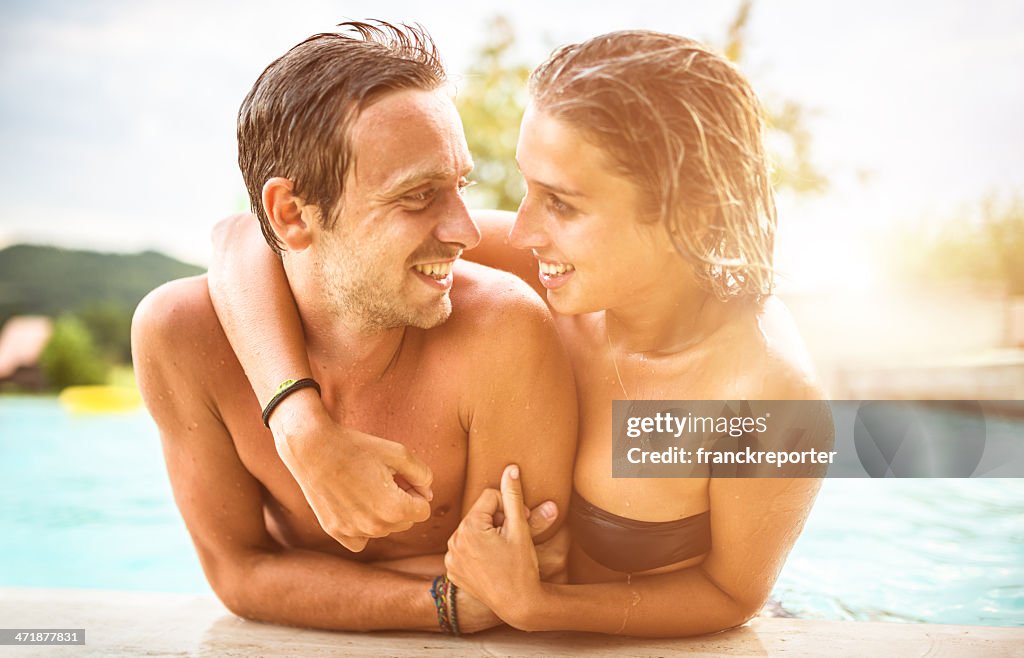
(179, 316)
(492, 306)
(486, 295)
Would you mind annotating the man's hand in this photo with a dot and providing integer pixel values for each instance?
(553, 554)
(553, 557)
(474, 616)
(348, 477)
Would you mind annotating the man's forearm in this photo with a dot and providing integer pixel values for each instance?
(317, 590)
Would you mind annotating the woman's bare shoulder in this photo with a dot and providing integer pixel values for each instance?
(778, 364)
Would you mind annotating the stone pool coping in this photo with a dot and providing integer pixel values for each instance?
(157, 624)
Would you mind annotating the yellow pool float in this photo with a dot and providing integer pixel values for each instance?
(100, 399)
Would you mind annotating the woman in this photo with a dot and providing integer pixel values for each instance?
(650, 217)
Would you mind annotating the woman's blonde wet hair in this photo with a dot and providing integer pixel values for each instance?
(685, 125)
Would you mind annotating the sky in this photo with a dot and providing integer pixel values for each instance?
(117, 118)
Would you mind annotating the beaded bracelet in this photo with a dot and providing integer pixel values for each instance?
(443, 592)
(286, 388)
(437, 594)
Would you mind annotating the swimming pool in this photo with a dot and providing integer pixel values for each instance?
(85, 502)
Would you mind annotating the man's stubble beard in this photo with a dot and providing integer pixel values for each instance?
(357, 296)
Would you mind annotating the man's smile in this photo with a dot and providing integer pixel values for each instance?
(438, 275)
(437, 270)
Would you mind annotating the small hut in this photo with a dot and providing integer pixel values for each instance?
(22, 341)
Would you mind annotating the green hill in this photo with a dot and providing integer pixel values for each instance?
(50, 281)
(100, 290)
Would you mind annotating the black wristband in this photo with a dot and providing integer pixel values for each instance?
(284, 390)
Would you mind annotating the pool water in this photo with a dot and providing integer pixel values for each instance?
(85, 502)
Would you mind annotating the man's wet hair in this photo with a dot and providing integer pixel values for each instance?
(296, 121)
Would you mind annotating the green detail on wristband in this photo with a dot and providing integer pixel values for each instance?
(285, 384)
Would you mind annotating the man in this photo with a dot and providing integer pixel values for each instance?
(354, 158)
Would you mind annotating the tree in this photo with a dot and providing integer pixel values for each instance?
(70, 357)
(493, 97)
(789, 137)
(981, 244)
(1004, 227)
(110, 324)
(491, 101)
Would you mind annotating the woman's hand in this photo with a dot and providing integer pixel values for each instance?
(494, 560)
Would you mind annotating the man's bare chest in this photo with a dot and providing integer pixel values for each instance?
(427, 424)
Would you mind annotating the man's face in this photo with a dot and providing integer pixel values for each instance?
(402, 222)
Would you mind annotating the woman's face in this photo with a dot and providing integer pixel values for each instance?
(583, 221)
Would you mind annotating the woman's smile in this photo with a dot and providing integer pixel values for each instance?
(554, 274)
